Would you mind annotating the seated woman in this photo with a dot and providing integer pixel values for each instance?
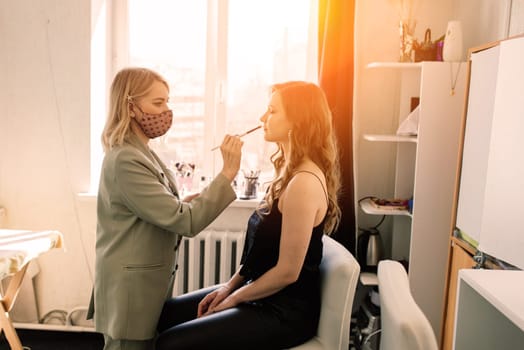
(273, 300)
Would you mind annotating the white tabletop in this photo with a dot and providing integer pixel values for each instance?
(504, 289)
(18, 247)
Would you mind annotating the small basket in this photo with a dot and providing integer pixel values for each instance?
(427, 50)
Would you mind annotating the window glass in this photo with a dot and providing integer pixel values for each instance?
(269, 41)
(220, 58)
(170, 37)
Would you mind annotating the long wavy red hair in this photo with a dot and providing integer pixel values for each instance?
(312, 136)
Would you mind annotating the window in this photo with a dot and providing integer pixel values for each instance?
(220, 57)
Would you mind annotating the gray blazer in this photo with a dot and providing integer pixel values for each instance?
(141, 221)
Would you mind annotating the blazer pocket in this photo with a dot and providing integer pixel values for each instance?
(142, 267)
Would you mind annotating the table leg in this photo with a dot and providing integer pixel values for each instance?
(6, 303)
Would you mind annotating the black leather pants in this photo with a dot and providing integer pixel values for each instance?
(247, 326)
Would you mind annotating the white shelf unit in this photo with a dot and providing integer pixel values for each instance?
(425, 170)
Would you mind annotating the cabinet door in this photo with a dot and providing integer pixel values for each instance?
(460, 259)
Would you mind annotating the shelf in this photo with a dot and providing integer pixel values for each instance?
(401, 65)
(369, 208)
(391, 138)
(368, 279)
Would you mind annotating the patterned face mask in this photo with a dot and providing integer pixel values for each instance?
(154, 125)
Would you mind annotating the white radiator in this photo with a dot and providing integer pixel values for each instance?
(210, 258)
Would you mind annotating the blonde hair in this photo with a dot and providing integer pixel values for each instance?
(312, 135)
(129, 84)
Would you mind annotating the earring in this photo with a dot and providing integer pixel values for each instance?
(131, 110)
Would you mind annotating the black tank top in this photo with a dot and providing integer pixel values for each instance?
(261, 251)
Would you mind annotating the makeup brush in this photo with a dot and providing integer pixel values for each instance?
(241, 135)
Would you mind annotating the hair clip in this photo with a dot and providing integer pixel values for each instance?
(129, 98)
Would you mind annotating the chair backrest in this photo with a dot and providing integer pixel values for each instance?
(404, 325)
(340, 272)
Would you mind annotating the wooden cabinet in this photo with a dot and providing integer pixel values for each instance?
(489, 179)
(461, 257)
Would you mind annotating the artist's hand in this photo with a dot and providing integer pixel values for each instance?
(207, 305)
(231, 149)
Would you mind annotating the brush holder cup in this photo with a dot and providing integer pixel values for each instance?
(250, 185)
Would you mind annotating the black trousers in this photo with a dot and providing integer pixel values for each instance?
(260, 325)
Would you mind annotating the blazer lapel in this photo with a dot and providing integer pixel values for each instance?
(153, 157)
(169, 175)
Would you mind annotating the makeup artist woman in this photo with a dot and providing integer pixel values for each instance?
(141, 219)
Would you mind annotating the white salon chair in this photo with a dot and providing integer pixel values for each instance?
(404, 325)
(339, 271)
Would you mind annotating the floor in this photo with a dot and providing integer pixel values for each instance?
(55, 340)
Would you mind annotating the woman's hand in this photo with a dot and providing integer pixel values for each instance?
(207, 305)
(227, 303)
(231, 149)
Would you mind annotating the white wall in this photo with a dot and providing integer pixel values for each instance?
(44, 134)
(45, 111)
